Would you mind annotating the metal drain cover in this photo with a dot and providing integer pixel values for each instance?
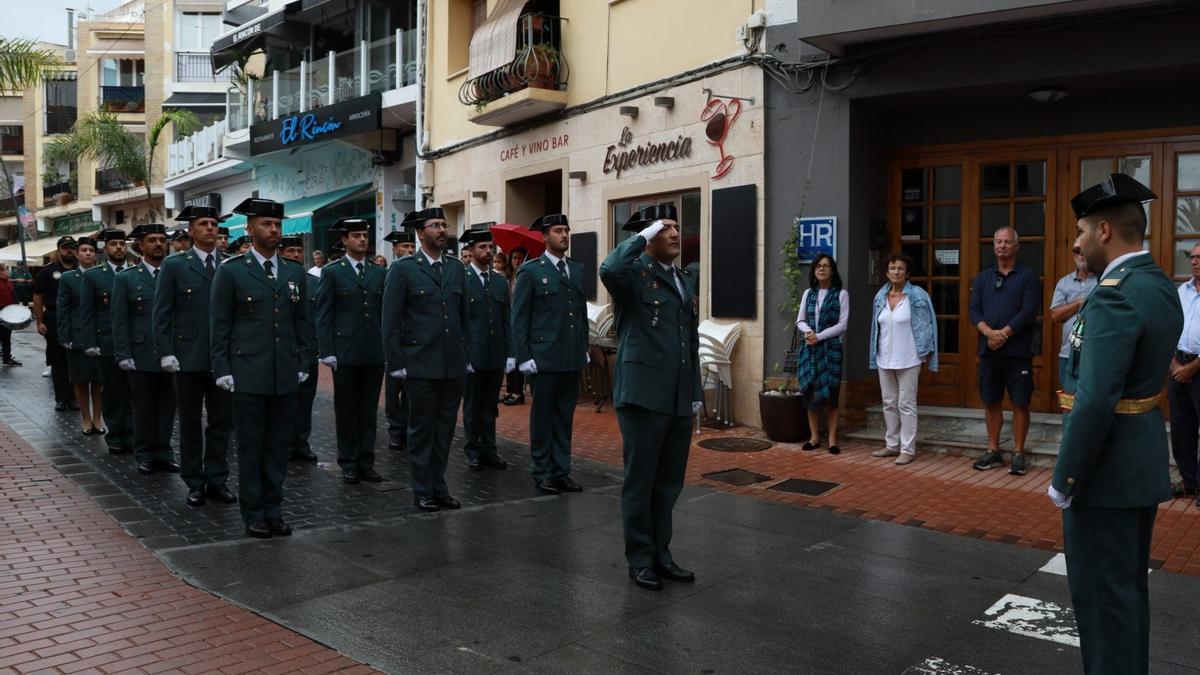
(737, 477)
(804, 486)
(735, 444)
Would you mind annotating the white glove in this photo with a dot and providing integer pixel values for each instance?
(225, 382)
(510, 364)
(470, 369)
(92, 351)
(651, 230)
(1060, 500)
(330, 361)
(302, 377)
(399, 374)
(528, 368)
(697, 406)
(588, 355)
(169, 363)
(67, 345)
(126, 364)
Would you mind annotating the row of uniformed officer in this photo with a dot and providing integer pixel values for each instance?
(95, 317)
(394, 397)
(292, 248)
(490, 351)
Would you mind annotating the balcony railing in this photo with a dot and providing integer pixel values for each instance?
(539, 62)
(204, 146)
(50, 191)
(60, 121)
(123, 99)
(108, 180)
(7, 208)
(383, 65)
(198, 68)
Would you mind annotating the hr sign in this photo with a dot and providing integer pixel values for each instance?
(815, 236)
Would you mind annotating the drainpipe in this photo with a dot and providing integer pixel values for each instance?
(422, 136)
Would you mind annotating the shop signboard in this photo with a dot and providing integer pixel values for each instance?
(815, 236)
(322, 124)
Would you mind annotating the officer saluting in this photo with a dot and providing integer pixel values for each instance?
(657, 386)
(95, 302)
(425, 335)
(133, 347)
(292, 248)
(350, 342)
(1111, 471)
(261, 341)
(181, 339)
(491, 352)
(394, 398)
(550, 335)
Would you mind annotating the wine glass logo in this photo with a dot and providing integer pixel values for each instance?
(720, 116)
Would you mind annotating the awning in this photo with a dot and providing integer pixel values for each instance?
(494, 43)
(61, 75)
(250, 37)
(189, 99)
(299, 212)
(34, 250)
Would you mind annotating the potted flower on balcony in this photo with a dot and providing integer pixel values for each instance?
(542, 65)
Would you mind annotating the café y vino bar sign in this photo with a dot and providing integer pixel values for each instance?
(322, 124)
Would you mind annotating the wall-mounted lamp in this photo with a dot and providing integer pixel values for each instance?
(629, 111)
(481, 195)
(1048, 94)
(577, 175)
(667, 102)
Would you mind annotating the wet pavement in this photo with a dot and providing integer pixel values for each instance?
(516, 582)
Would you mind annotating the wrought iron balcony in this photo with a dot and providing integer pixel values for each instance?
(197, 67)
(49, 192)
(123, 99)
(108, 180)
(539, 63)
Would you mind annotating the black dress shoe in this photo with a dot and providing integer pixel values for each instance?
(645, 578)
(118, 450)
(834, 450)
(222, 494)
(303, 455)
(145, 468)
(447, 502)
(195, 498)
(546, 487)
(370, 475)
(279, 528)
(565, 484)
(350, 476)
(515, 400)
(166, 465)
(674, 573)
(259, 530)
(60, 407)
(474, 464)
(493, 462)
(427, 504)
(396, 445)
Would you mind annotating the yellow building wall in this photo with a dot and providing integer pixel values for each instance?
(610, 46)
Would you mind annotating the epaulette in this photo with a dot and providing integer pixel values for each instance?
(175, 254)
(288, 261)
(1116, 277)
(231, 258)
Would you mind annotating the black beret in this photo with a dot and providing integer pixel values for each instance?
(1118, 188)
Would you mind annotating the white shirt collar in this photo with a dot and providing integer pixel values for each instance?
(274, 259)
(554, 260)
(426, 256)
(478, 271)
(1120, 259)
(202, 254)
(113, 267)
(151, 268)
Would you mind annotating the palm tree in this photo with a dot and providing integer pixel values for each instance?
(100, 136)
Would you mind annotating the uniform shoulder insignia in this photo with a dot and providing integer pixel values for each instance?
(1116, 277)
(1111, 282)
(232, 258)
(288, 261)
(176, 254)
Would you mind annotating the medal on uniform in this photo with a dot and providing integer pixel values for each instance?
(293, 292)
(1076, 339)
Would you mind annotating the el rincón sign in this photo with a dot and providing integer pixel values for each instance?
(333, 121)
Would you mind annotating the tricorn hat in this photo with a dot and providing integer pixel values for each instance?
(290, 240)
(416, 219)
(398, 237)
(223, 231)
(472, 237)
(148, 229)
(344, 225)
(1118, 188)
(260, 207)
(85, 241)
(192, 212)
(237, 243)
(111, 234)
(643, 217)
(548, 221)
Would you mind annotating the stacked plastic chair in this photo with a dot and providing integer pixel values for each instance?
(600, 320)
(717, 341)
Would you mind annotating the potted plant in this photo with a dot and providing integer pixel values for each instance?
(541, 66)
(780, 403)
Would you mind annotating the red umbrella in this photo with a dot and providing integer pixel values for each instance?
(509, 237)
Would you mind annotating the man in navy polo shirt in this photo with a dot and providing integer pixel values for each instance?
(1005, 299)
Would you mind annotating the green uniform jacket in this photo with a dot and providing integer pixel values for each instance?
(1121, 347)
(259, 329)
(314, 286)
(348, 313)
(132, 312)
(491, 341)
(70, 324)
(549, 317)
(658, 361)
(95, 304)
(181, 311)
(425, 318)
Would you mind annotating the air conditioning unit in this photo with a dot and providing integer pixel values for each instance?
(69, 56)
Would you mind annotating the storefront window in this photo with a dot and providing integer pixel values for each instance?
(687, 205)
(1187, 211)
(934, 246)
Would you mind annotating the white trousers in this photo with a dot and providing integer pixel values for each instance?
(899, 388)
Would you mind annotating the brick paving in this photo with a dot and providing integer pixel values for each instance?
(78, 593)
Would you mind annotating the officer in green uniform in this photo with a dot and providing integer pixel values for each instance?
(181, 340)
(292, 248)
(133, 348)
(550, 333)
(1112, 471)
(223, 241)
(240, 245)
(83, 370)
(350, 342)
(656, 388)
(395, 400)
(95, 303)
(491, 352)
(261, 343)
(425, 337)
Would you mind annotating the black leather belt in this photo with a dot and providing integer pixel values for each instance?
(1184, 357)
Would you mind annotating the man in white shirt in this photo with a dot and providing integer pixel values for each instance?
(1184, 386)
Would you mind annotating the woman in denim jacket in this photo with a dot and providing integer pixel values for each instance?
(903, 336)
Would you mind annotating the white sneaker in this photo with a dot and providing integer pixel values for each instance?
(46, 372)
(885, 452)
(905, 458)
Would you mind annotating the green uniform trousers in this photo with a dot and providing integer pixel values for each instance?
(433, 413)
(551, 418)
(118, 413)
(355, 408)
(153, 416)
(480, 411)
(203, 449)
(305, 395)
(262, 424)
(1108, 558)
(655, 455)
(395, 406)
